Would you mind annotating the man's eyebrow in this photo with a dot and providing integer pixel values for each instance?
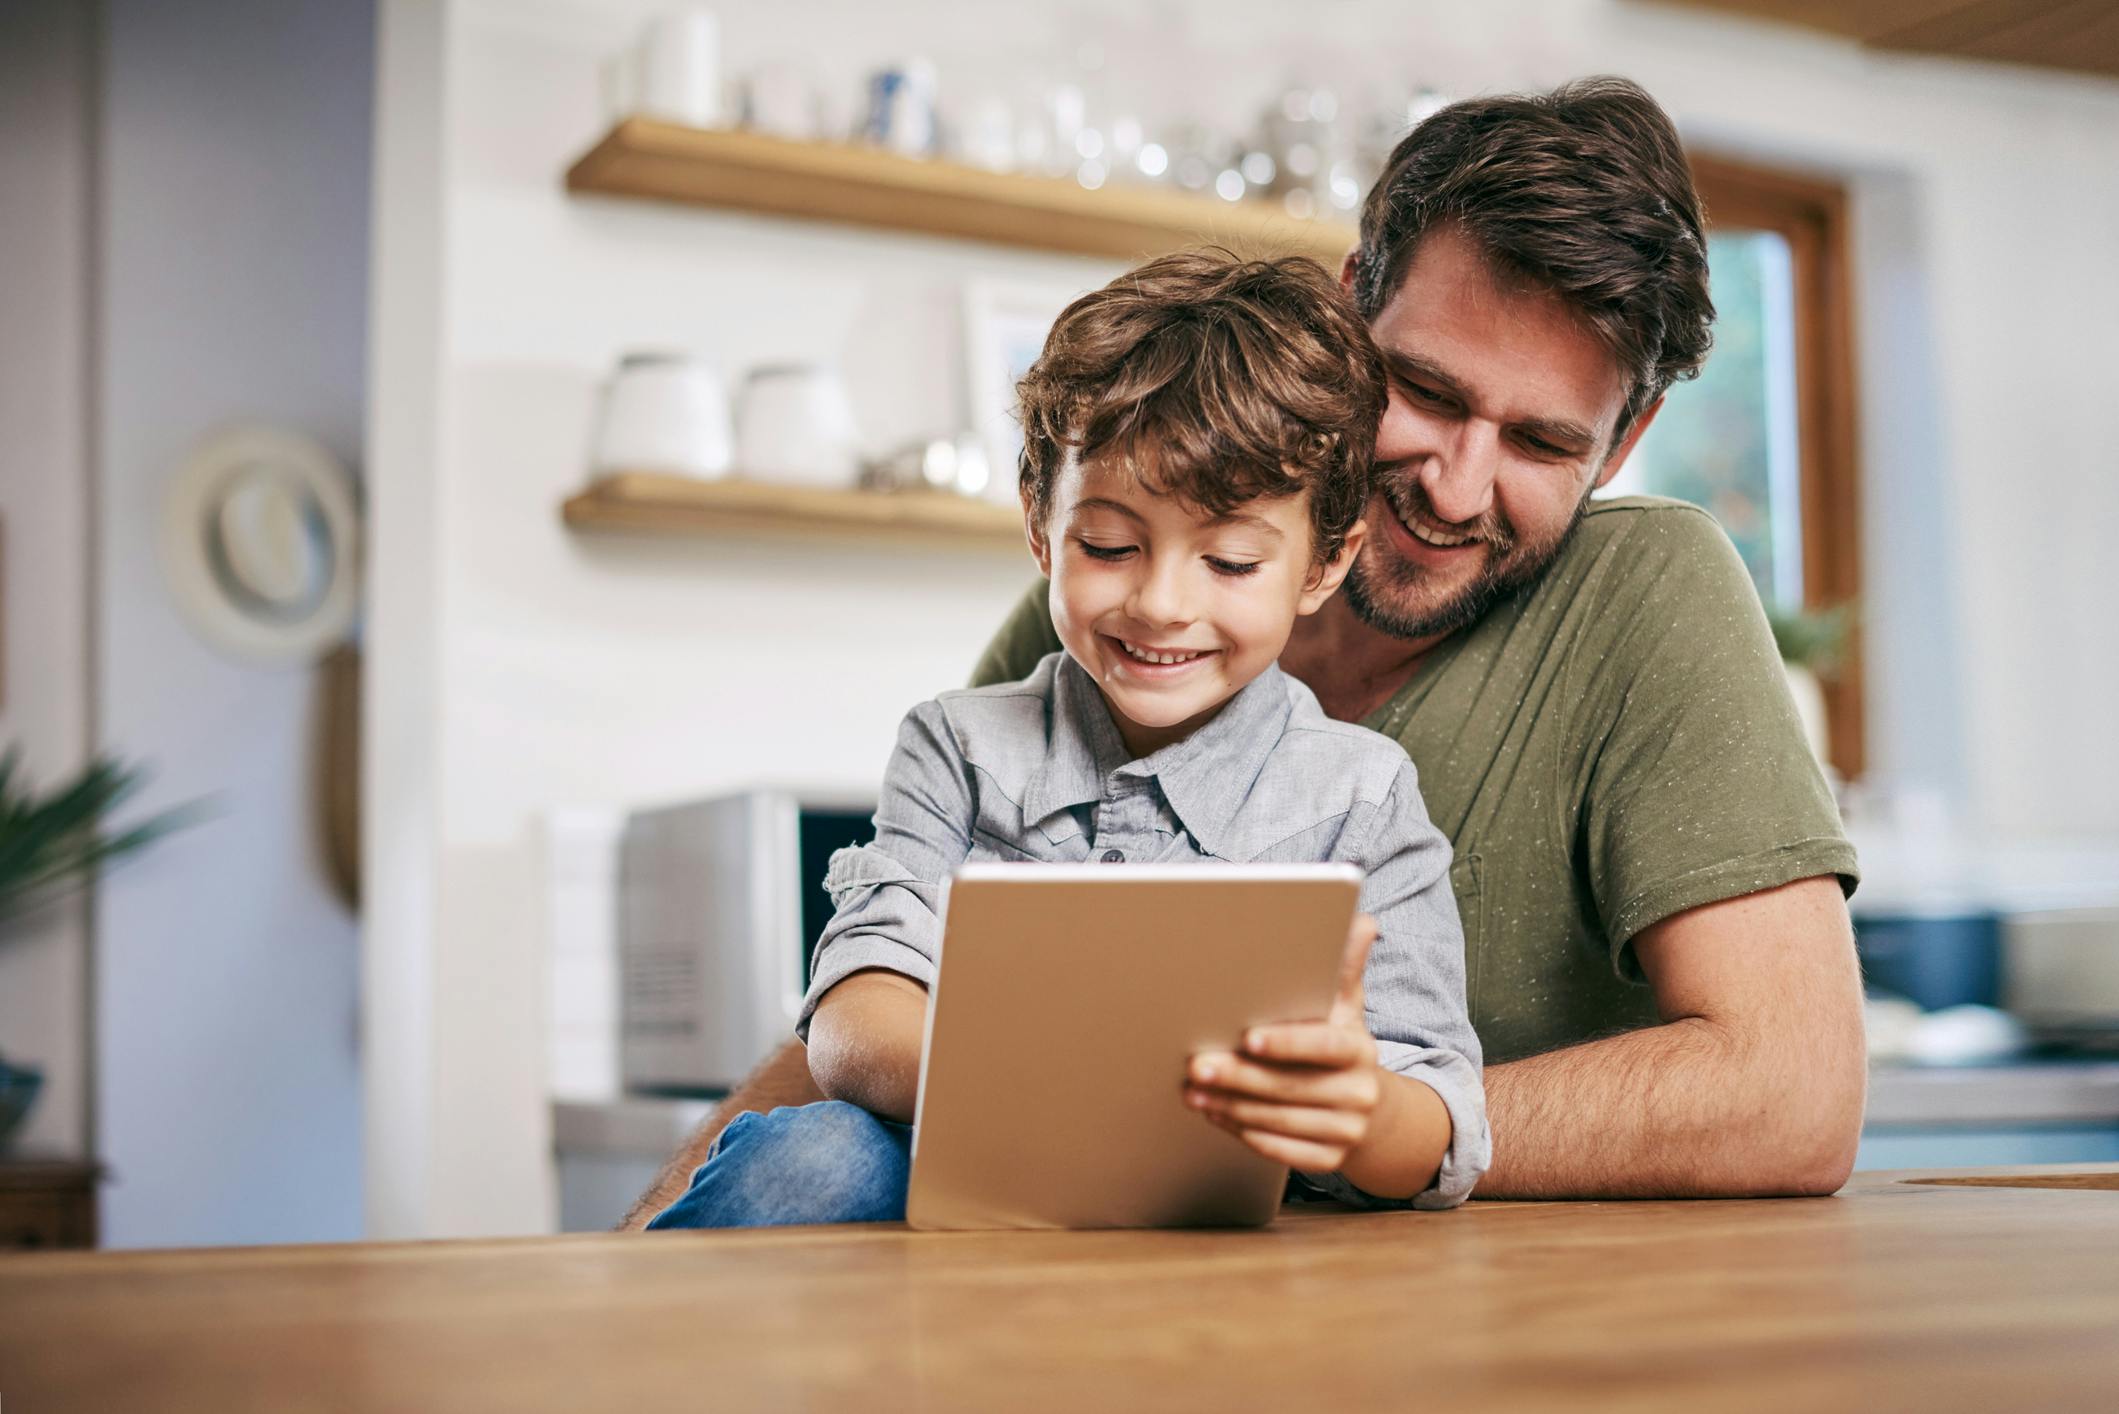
(1405, 365)
(1559, 431)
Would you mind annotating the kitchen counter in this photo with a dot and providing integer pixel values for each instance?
(2070, 1092)
(1929, 1291)
(2031, 1092)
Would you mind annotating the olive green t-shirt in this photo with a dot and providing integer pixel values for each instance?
(1608, 747)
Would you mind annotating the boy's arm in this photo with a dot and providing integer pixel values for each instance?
(1427, 1141)
(876, 957)
(1380, 1103)
(864, 1042)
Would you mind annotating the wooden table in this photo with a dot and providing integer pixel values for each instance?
(1894, 1295)
(47, 1201)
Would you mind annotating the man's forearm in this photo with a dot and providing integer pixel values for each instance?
(1687, 1109)
(782, 1080)
(864, 1048)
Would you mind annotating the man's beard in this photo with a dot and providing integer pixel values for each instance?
(1511, 564)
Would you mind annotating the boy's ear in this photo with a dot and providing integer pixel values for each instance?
(1324, 578)
(1040, 547)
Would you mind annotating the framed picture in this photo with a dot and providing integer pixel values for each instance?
(1005, 323)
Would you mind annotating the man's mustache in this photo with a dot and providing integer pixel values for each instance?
(1401, 486)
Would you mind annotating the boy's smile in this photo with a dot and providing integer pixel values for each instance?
(1171, 609)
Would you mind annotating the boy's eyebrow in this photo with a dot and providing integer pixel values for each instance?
(1242, 518)
(1559, 430)
(1248, 522)
(1099, 503)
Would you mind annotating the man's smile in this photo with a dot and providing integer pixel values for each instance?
(1412, 518)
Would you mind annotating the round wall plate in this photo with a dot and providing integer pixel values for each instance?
(261, 544)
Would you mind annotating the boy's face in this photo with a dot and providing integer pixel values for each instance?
(1138, 577)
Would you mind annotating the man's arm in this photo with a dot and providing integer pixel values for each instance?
(783, 1079)
(864, 1048)
(1753, 1086)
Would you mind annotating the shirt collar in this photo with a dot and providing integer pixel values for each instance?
(1205, 778)
(1083, 746)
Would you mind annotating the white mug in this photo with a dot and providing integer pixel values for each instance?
(672, 72)
(794, 424)
(666, 413)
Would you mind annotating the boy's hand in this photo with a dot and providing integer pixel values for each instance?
(1300, 1093)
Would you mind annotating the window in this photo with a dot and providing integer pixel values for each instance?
(1764, 438)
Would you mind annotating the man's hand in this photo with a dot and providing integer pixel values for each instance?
(1302, 1094)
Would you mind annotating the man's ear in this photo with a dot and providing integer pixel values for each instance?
(1620, 453)
(1324, 579)
(1040, 547)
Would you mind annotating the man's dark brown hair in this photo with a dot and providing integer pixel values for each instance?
(1215, 380)
(1584, 191)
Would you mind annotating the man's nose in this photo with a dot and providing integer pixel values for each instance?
(1161, 594)
(1459, 480)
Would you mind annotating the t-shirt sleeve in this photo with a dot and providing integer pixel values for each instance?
(1415, 990)
(887, 895)
(1024, 639)
(1697, 782)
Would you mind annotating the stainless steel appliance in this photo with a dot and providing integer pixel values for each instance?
(720, 905)
(2060, 971)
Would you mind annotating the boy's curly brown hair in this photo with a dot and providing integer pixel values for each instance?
(1214, 379)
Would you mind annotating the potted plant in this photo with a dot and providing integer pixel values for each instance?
(1810, 645)
(52, 841)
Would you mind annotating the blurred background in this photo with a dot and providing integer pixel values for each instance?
(483, 480)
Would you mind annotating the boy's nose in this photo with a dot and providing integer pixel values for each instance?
(1159, 597)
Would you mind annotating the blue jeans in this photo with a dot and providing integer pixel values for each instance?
(829, 1162)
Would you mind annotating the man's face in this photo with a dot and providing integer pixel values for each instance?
(1499, 425)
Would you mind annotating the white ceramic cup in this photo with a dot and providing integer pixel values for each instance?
(666, 413)
(672, 72)
(794, 424)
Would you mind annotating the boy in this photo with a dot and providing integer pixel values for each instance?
(1197, 439)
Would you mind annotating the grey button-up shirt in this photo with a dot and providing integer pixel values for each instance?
(1036, 771)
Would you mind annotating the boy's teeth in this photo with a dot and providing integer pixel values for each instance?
(1148, 655)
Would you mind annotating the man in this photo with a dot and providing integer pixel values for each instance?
(1649, 869)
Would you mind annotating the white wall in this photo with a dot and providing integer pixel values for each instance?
(233, 265)
(521, 667)
(46, 55)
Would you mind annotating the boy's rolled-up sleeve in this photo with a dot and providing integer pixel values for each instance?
(887, 895)
(1415, 990)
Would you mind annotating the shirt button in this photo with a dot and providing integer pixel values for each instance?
(1114, 856)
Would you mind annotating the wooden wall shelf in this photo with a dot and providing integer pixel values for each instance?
(676, 505)
(863, 186)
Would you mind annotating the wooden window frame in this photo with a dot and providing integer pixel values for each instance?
(1811, 213)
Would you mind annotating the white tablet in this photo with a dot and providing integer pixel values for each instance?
(1068, 1002)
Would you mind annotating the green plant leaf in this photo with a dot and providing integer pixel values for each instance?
(1811, 640)
(54, 839)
